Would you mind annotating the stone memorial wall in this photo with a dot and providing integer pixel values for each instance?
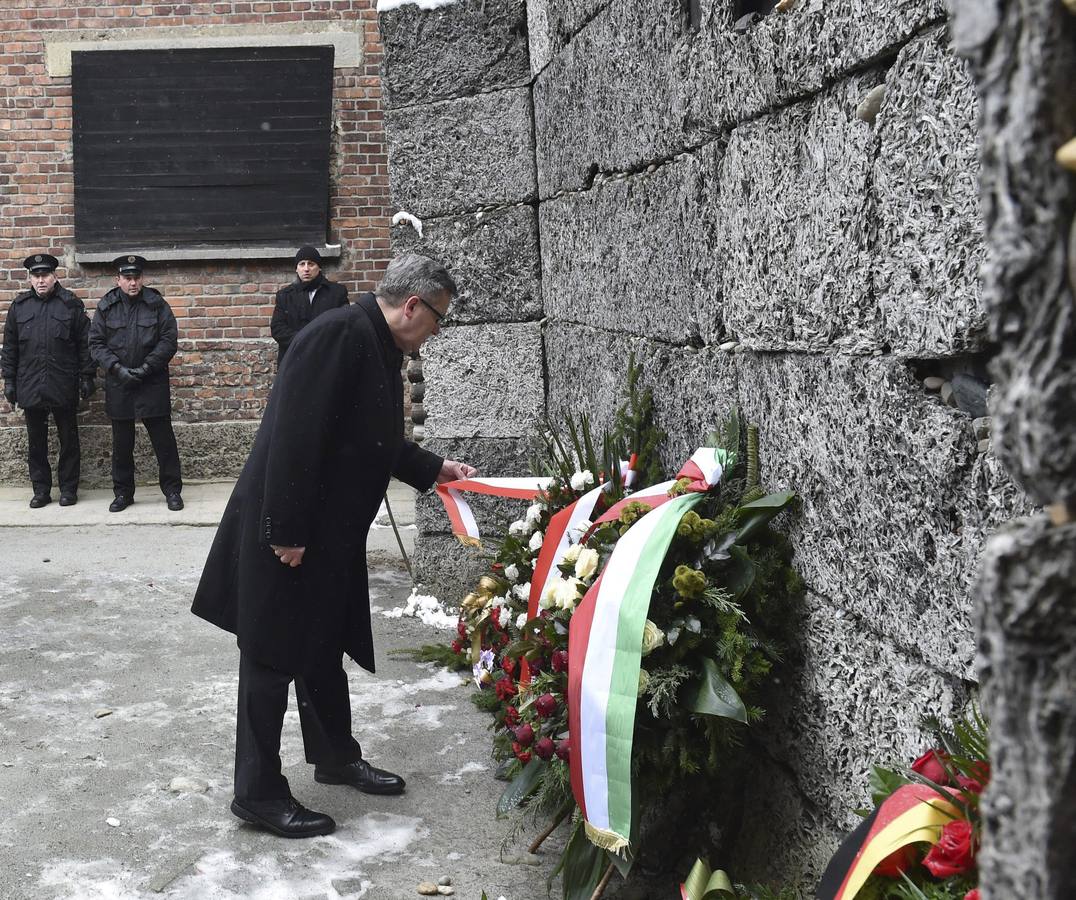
(780, 212)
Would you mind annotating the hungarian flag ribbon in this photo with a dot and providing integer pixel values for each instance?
(459, 512)
(605, 639)
(912, 813)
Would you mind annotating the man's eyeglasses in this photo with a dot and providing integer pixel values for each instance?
(437, 314)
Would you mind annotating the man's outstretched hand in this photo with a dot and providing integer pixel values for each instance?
(290, 556)
(454, 471)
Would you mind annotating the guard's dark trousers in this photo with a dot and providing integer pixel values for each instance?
(163, 439)
(324, 714)
(37, 434)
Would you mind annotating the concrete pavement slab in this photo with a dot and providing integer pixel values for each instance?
(117, 716)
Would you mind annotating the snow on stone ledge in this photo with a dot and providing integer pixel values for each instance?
(386, 5)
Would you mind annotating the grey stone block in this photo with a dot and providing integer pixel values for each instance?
(1027, 625)
(849, 699)
(448, 569)
(635, 254)
(457, 155)
(495, 458)
(465, 48)
(484, 381)
(929, 247)
(608, 101)
(493, 258)
(792, 231)
(896, 499)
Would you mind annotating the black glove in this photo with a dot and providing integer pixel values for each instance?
(9, 392)
(125, 375)
(86, 387)
(141, 372)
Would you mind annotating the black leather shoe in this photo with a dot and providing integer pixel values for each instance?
(287, 818)
(175, 502)
(120, 503)
(40, 500)
(68, 499)
(361, 775)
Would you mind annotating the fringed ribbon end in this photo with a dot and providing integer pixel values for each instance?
(469, 541)
(605, 838)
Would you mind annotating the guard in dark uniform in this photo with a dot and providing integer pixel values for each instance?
(132, 337)
(47, 367)
(310, 295)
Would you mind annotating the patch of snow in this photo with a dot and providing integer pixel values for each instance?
(457, 776)
(386, 5)
(427, 609)
(414, 221)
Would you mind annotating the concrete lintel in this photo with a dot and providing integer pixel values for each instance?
(330, 251)
(346, 37)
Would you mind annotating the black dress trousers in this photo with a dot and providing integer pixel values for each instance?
(163, 439)
(37, 435)
(324, 715)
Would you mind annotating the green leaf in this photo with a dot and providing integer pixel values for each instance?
(521, 787)
(755, 515)
(883, 782)
(582, 865)
(740, 573)
(703, 884)
(716, 697)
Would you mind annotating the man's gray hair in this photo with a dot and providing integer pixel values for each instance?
(414, 274)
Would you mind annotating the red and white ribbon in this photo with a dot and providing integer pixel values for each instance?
(459, 512)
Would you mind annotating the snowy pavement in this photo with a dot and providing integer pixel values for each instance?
(117, 714)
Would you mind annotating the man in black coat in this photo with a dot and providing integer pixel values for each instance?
(310, 295)
(132, 337)
(47, 367)
(287, 570)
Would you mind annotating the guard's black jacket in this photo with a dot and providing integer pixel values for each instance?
(134, 332)
(294, 309)
(45, 349)
(331, 437)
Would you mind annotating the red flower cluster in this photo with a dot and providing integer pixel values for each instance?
(505, 689)
(935, 765)
(954, 854)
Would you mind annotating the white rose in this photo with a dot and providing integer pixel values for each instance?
(549, 594)
(581, 480)
(653, 637)
(534, 514)
(587, 563)
(644, 681)
(571, 554)
(512, 573)
(566, 592)
(536, 541)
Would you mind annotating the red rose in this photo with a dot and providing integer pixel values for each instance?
(977, 780)
(545, 705)
(524, 735)
(897, 862)
(564, 749)
(973, 894)
(511, 717)
(560, 661)
(544, 748)
(524, 756)
(509, 665)
(931, 765)
(505, 689)
(953, 854)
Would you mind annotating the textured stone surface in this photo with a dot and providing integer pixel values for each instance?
(495, 458)
(849, 699)
(467, 47)
(1023, 61)
(896, 499)
(792, 228)
(457, 155)
(210, 451)
(929, 242)
(493, 258)
(484, 381)
(635, 254)
(1027, 624)
(609, 99)
(446, 568)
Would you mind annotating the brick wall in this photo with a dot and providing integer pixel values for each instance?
(226, 356)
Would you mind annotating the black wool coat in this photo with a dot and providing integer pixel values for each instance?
(134, 333)
(331, 437)
(45, 349)
(294, 310)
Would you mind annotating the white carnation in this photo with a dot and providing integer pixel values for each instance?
(504, 617)
(512, 573)
(582, 480)
(522, 591)
(536, 541)
(521, 620)
(534, 514)
(518, 528)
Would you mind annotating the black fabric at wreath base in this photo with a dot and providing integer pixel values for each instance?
(841, 862)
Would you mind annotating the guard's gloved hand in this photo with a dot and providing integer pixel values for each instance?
(86, 387)
(141, 372)
(9, 392)
(125, 375)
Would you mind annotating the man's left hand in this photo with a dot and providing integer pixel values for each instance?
(454, 471)
(290, 556)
